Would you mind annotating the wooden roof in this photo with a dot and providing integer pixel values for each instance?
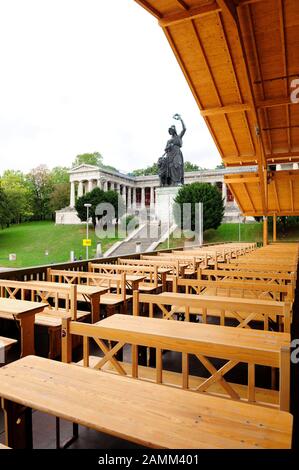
(283, 192)
(239, 58)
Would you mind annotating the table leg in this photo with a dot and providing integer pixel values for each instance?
(95, 308)
(18, 425)
(27, 335)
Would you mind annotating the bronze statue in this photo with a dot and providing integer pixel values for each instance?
(171, 164)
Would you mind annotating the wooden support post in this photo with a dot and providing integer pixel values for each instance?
(284, 385)
(66, 341)
(274, 228)
(18, 425)
(265, 230)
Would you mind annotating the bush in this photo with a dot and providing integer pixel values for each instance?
(213, 206)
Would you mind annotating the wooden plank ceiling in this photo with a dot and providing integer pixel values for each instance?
(239, 58)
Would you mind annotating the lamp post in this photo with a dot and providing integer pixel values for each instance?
(87, 226)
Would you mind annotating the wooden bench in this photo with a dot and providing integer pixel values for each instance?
(48, 317)
(244, 311)
(5, 345)
(189, 264)
(232, 288)
(23, 312)
(115, 285)
(247, 275)
(154, 277)
(145, 413)
(176, 268)
(253, 347)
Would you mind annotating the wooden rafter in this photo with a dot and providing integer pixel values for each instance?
(248, 196)
(283, 156)
(291, 195)
(274, 102)
(276, 194)
(146, 5)
(236, 197)
(182, 4)
(259, 71)
(188, 15)
(208, 68)
(232, 108)
(285, 64)
(229, 54)
(228, 7)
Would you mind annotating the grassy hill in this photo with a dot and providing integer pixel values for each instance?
(31, 240)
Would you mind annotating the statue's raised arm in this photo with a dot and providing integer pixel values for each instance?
(178, 117)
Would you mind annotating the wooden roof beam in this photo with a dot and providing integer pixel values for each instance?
(232, 108)
(276, 194)
(230, 179)
(188, 15)
(283, 156)
(228, 7)
(248, 196)
(149, 8)
(291, 195)
(272, 103)
(182, 4)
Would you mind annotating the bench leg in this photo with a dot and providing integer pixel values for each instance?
(71, 440)
(18, 425)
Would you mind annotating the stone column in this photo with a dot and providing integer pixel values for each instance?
(124, 195)
(99, 183)
(105, 185)
(134, 198)
(129, 197)
(90, 185)
(117, 188)
(142, 198)
(80, 189)
(152, 199)
(224, 193)
(73, 195)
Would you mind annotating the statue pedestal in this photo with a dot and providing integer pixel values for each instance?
(164, 202)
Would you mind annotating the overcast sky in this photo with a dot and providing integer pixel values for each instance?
(90, 75)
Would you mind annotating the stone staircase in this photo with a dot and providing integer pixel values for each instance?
(148, 233)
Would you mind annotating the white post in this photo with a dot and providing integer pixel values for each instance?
(73, 197)
(105, 185)
(134, 198)
(99, 183)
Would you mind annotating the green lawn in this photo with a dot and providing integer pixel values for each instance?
(30, 241)
(252, 232)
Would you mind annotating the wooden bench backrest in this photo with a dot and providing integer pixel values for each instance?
(151, 272)
(260, 288)
(174, 265)
(25, 290)
(169, 304)
(204, 342)
(111, 281)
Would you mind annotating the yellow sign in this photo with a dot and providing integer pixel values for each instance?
(86, 242)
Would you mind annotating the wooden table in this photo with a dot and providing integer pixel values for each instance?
(90, 294)
(147, 414)
(24, 312)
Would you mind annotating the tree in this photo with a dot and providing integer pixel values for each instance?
(153, 169)
(95, 197)
(188, 166)
(60, 196)
(60, 174)
(18, 195)
(88, 158)
(41, 188)
(220, 166)
(210, 196)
